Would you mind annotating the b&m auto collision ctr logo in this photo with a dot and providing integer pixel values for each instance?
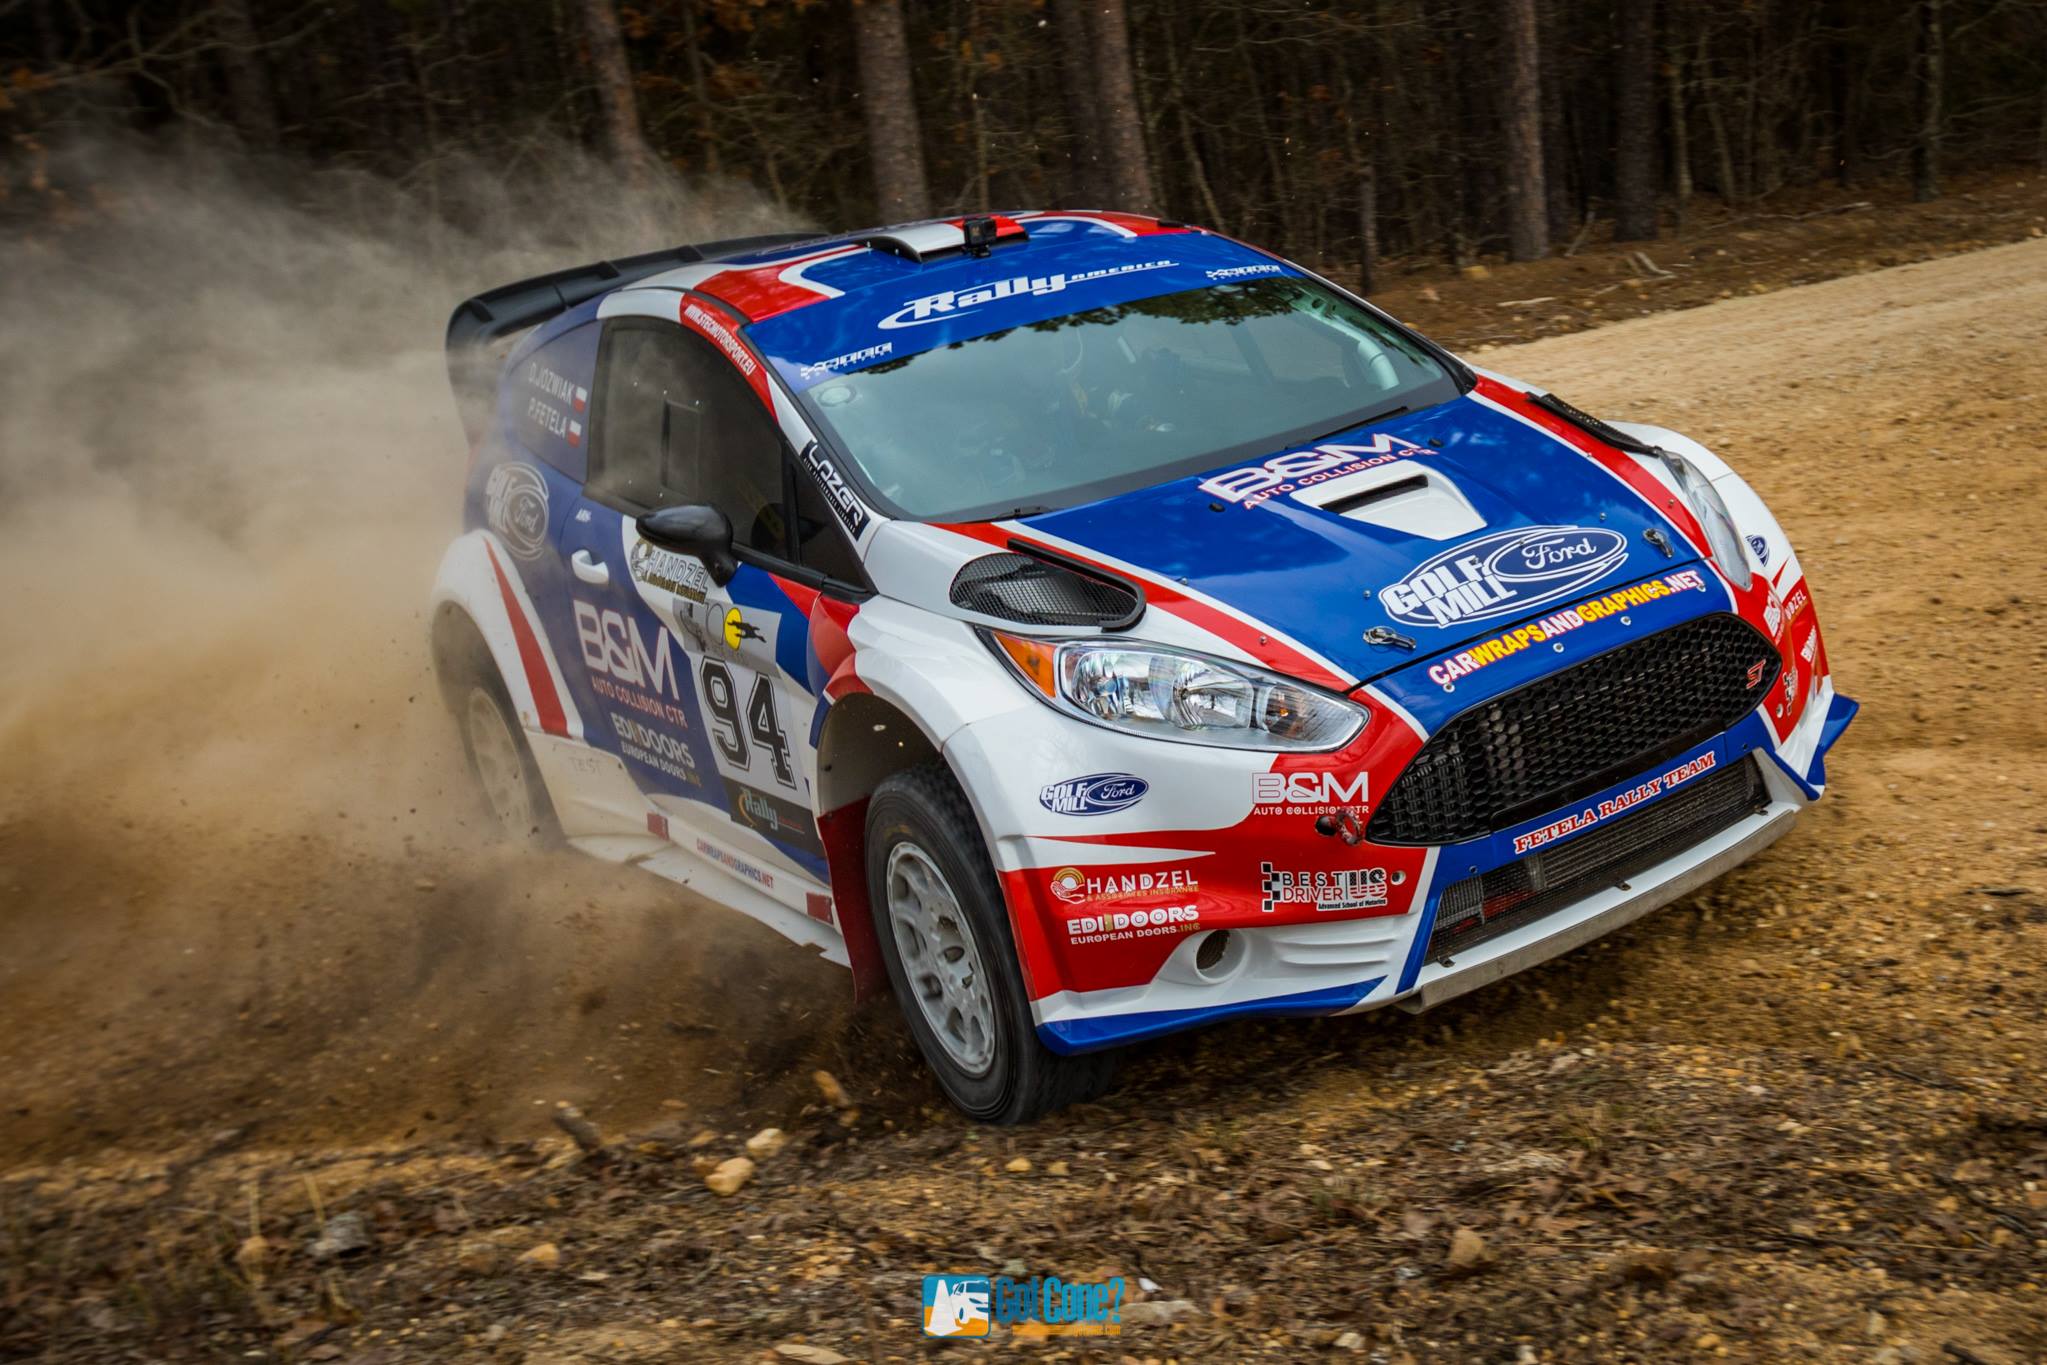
(1043, 1305)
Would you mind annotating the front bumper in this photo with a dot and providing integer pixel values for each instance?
(1349, 966)
(1599, 914)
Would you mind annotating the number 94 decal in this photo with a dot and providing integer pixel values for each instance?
(738, 731)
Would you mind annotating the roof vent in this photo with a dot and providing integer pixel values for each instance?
(924, 241)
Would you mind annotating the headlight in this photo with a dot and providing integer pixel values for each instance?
(1729, 552)
(1175, 695)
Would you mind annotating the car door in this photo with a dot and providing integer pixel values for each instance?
(707, 684)
(634, 678)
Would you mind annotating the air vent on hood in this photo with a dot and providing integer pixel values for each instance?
(1036, 590)
(1404, 497)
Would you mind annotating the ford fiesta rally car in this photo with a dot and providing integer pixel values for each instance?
(1092, 627)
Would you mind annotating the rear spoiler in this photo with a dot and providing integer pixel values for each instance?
(478, 323)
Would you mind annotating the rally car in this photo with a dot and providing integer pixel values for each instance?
(1088, 626)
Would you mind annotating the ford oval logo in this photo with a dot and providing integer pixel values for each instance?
(1101, 794)
(1505, 573)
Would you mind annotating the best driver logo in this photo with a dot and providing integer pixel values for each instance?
(1349, 888)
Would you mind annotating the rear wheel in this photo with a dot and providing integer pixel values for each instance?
(951, 958)
(495, 743)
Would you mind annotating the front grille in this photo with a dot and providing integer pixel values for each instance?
(1486, 906)
(1029, 589)
(1565, 736)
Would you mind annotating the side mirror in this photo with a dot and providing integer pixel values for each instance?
(695, 529)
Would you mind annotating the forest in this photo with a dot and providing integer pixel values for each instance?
(1339, 131)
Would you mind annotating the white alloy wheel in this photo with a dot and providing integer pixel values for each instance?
(939, 957)
(499, 765)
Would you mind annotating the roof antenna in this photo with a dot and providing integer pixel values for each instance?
(980, 234)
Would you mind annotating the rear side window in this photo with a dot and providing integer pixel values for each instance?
(675, 423)
(640, 376)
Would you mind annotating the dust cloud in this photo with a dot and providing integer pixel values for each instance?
(244, 882)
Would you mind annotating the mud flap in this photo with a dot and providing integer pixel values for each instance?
(844, 832)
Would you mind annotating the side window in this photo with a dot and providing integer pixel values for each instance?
(819, 544)
(640, 375)
(677, 424)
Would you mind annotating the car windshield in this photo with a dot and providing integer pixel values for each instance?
(1083, 406)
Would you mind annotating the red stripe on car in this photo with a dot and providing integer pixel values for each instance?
(1616, 462)
(546, 705)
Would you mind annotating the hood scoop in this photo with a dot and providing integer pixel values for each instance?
(1407, 497)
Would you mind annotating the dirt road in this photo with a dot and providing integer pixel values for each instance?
(1799, 1116)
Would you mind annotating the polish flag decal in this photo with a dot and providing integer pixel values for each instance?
(575, 433)
(582, 399)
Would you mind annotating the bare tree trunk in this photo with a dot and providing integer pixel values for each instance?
(1635, 113)
(248, 80)
(1368, 225)
(1680, 133)
(1197, 169)
(2043, 130)
(1846, 80)
(699, 90)
(615, 91)
(895, 143)
(1556, 177)
(1716, 123)
(1527, 206)
(1116, 95)
(1364, 166)
(1077, 82)
(1926, 143)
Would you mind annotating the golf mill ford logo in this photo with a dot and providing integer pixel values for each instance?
(1503, 574)
(1098, 794)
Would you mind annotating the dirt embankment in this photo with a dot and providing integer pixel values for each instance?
(257, 969)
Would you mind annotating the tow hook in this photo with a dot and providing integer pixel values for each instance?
(1341, 825)
(1654, 535)
(1386, 635)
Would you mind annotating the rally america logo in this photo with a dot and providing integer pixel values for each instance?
(949, 303)
(1504, 573)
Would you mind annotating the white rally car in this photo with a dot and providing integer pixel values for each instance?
(1091, 627)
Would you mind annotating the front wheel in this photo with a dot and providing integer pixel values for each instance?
(951, 957)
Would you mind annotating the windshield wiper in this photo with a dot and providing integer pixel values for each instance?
(1027, 510)
(1350, 425)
